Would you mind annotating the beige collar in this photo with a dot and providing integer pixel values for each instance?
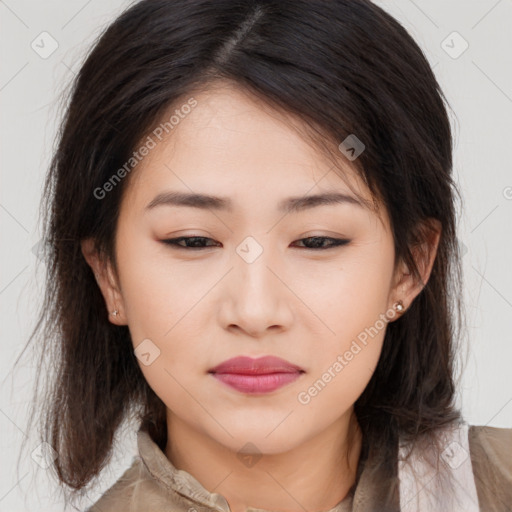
(183, 483)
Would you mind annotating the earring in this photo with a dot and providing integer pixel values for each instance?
(115, 312)
(398, 306)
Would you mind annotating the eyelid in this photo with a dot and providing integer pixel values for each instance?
(334, 242)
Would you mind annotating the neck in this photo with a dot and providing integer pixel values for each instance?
(315, 475)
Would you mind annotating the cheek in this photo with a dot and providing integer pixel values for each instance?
(353, 306)
(155, 295)
(161, 304)
(350, 296)
(342, 369)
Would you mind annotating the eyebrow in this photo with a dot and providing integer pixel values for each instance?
(289, 205)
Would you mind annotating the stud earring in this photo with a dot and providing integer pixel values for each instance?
(399, 306)
(115, 312)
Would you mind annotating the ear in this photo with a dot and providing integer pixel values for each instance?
(107, 281)
(407, 286)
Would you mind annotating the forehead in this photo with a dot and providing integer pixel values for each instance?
(232, 144)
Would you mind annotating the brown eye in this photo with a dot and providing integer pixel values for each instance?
(198, 242)
(317, 242)
(195, 242)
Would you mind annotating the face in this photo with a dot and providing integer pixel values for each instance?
(310, 284)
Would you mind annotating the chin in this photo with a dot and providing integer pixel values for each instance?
(260, 440)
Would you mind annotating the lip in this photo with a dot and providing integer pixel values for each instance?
(261, 375)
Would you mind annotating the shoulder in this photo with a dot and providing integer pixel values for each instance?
(491, 458)
(493, 446)
(120, 494)
(137, 490)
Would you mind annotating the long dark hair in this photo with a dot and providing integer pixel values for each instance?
(339, 67)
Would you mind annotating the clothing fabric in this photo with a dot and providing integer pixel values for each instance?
(479, 458)
(420, 488)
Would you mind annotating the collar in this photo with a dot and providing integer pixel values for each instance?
(181, 482)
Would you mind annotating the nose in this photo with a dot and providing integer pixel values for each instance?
(256, 298)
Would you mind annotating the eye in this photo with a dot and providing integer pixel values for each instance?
(317, 242)
(196, 242)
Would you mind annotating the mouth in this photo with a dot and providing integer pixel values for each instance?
(256, 376)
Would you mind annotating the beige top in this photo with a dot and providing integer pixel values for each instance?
(153, 484)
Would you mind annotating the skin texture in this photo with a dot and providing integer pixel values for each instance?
(201, 307)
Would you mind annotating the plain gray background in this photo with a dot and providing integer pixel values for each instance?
(478, 85)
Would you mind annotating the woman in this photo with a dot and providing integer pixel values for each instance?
(253, 255)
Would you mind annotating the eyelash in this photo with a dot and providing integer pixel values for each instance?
(335, 242)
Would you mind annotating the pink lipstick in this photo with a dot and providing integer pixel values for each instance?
(261, 375)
